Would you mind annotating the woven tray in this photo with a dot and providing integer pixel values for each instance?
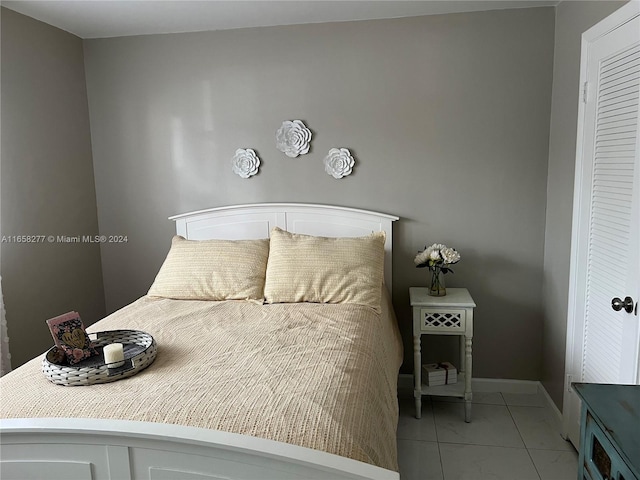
(139, 352)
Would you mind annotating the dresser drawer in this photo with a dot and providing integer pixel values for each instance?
(443, 320)
(601, 460)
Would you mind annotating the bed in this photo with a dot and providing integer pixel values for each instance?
(288, 383)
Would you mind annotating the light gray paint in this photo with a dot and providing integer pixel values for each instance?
(447, 116)
(572, 19)
(47, 183)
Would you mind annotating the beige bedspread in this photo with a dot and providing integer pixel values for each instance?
(319, 376)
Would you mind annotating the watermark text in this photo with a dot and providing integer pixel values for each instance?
(64, 239)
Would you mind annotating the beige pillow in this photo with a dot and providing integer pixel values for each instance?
(303, 268)
(213, 270)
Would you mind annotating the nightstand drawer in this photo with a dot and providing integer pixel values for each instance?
(442, 320)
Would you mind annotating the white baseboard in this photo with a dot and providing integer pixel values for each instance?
(405, 383)
(550, 403)
(504, 385)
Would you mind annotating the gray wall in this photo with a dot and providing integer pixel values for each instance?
(572, 19)
(447, 116)
(47, 184)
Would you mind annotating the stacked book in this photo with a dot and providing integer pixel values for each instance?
(443, 373)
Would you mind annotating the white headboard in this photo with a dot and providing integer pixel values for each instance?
(256, 221)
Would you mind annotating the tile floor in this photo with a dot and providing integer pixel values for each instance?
(510, 437)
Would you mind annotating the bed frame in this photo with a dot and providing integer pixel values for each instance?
(96, 449)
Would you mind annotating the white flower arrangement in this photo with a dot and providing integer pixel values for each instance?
(437, 256)
(293, 138)
(245, 162)
(339, 162)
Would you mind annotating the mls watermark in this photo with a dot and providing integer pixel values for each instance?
(65, 239)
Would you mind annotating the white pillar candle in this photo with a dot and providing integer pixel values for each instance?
(114, 355)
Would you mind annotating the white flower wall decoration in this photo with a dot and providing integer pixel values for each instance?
(245, 162)
(293, 138)
(339, 162)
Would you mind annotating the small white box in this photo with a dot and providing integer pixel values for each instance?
(443, 373)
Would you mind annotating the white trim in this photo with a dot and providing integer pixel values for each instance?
(288, 206)
(503, 385)
(487, 385)
(551, 405)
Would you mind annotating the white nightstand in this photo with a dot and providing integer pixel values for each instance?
(448, 315)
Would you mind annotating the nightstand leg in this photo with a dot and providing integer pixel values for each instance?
(417, 378)
(462, 354)
(467, 380)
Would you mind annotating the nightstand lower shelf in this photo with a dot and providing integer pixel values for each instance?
(459, 390)
(453, 390)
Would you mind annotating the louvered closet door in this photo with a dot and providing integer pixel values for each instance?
(603, 344)
(612, 246)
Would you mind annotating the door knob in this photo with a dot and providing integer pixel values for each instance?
(618, 304)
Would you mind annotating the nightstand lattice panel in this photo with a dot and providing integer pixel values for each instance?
(451, 320)
(442, 320)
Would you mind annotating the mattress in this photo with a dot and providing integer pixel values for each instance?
(315, 375)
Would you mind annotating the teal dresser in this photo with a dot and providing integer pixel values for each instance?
(609, 432)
